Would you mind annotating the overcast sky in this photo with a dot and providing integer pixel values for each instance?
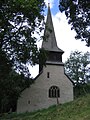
(64, 35)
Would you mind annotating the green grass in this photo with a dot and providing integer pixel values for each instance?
(79, 109)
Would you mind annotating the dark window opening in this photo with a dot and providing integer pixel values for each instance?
(28, 101)
(54, 92)
(48, 75)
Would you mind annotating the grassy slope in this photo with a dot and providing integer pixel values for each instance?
(77, 110)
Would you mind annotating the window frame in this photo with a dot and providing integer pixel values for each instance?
(54, 92)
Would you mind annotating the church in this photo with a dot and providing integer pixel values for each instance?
(52, 86)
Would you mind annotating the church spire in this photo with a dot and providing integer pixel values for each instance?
(54, 54)
(50, 43)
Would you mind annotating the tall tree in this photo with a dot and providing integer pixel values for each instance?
(77, 66)
(19, 19)
(10, 90)
(78, 14)
(5, 65)
(85, 65)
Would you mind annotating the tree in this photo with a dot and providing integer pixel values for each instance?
(77, 66)
(10, 90)
(5, 68)
(5, 65)
(85, 60)
(19, 19)
(78, 14)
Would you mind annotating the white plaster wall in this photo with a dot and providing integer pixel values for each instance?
(37, 94)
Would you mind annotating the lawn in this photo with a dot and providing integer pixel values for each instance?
(78, 109)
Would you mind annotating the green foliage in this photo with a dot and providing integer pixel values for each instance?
(11, 84)
(19, 20)
(43, 56)
(78, 14)
(5, 65)
(77, 67)
(79, 109)
(81, 90)
(10, 89)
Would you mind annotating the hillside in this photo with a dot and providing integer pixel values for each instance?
(77, 110)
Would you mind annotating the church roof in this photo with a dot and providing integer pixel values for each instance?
(50, 43)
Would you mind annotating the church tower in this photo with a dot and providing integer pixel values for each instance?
(54, 54)
(51, 86)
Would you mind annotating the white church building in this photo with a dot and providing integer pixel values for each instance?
(52, 86)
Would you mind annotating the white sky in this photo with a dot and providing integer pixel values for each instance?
(64, 36)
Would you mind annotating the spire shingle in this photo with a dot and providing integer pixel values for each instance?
(50, 43)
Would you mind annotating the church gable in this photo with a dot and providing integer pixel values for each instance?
(49, 87)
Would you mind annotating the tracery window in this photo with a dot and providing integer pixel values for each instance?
(54, 92)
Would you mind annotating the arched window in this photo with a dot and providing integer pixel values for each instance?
(54, 92)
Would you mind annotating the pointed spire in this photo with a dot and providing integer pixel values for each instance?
(50, 43)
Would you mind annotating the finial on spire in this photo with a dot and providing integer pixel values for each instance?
(48, 4)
